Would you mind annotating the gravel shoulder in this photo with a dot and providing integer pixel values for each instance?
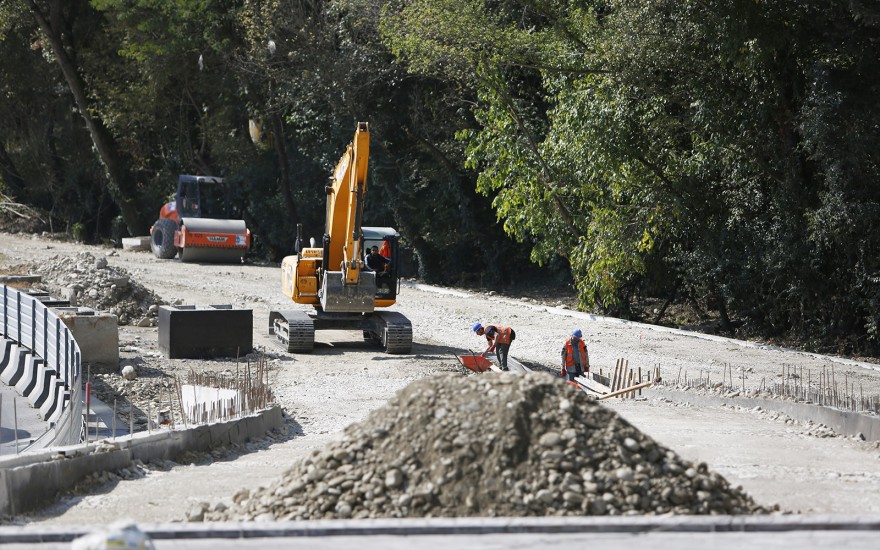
(776, 462)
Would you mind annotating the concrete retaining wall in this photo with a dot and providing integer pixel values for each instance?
(30, 481)
(843, 422)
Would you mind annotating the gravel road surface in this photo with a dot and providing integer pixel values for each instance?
(777, 462)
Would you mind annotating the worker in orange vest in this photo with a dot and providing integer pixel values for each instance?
(499, 338)
(385, 250)
(575, 359)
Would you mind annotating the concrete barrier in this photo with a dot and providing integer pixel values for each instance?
(31, 481)
(45, 382)
(9, 350)
(53, 406)
(33, 335)
(28, 378)
(13, 369)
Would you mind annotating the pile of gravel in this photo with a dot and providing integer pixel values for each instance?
(92, 282)
(453, 446)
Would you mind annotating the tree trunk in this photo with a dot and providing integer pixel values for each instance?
(672, 296)
(12, 181)
(283, 166)
(121, 185)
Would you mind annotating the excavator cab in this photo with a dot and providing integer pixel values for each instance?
(387, 280)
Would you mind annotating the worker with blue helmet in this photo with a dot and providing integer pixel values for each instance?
(575, 359)
(499, 338)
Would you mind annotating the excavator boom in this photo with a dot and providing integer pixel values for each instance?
(345, 207)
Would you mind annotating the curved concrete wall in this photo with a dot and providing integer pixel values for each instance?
(41, 359)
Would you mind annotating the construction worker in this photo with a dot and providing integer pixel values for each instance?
(499, 338)
(377, 262)
(385, 250)
(575, 359)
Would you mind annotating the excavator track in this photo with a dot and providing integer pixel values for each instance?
(397, 332)
(294, 329)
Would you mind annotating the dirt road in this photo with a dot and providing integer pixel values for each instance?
(776, 462)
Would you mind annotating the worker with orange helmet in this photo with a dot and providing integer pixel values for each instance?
(575, 359)
(499, 338)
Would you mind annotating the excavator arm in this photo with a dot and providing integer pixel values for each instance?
(345, 207)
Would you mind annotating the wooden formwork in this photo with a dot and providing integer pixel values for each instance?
(622, 382)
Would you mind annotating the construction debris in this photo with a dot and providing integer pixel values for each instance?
(92, 282)
(453, 446)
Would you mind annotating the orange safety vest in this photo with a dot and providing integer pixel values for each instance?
(569, 353)
(502, 334)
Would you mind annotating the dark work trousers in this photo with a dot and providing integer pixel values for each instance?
(573, 371)
(501, 351)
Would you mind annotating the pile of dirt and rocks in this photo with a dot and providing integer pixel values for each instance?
(94, 283)
(453, 446)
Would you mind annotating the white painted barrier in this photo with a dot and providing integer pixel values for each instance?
(45, 381)
(28, 374)
(13, 366)
(42, 360)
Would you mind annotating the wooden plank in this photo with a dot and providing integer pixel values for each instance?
(592, 385)
(629, 383)
(626, 390)
(615, 381)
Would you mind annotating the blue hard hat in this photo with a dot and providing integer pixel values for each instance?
(577, 333)
(477, 326)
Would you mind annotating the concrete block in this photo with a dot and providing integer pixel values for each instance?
(28, 378)
(54, 405)
(205, 331)
(14, 366)
(46, 377)
(136, 243)
(97, 335)
(63, 404)
(7, 347)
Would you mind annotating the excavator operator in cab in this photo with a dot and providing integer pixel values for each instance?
(382, 266)
(377, 262)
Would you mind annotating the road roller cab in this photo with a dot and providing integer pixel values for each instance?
(196, 225)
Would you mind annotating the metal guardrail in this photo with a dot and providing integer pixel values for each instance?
(25, 320)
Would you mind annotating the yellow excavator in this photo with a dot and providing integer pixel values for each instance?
(338, 279)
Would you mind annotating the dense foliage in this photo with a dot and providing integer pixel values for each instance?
(719, 153)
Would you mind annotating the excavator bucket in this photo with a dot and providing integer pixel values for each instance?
(213, 240)
(336, 296)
